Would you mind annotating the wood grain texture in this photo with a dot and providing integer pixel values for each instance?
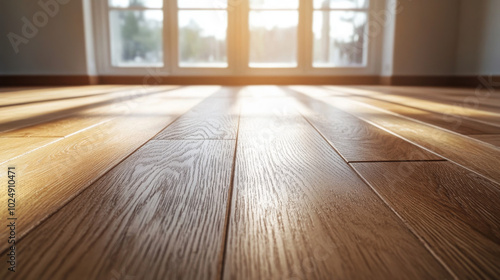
(454, 210)
(492, 139)
(214, 118)
(475, 155)
(300, 212)
(54, 175)
(158, 215)
(355, 139)
(480, 99)
(454, 109)
(442, 119)
(14, 147)
(32, 113)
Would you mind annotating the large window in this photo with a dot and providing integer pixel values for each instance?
(339, 28)
(202, 33)
(136, 32)
(235, 36)
(273, 33)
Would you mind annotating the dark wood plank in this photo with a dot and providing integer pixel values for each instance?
(355, 139)
(300, 212)
(454, 210)
(158, 215)
(214, 118)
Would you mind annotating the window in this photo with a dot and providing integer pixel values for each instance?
(240, 37)
(273, 33)
(202, 33)
(136, 31)
(339, 29)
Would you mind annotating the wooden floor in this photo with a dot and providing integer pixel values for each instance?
(257, 182)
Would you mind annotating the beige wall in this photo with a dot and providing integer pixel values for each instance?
(479, 38)
(57, 48)
(426, 37)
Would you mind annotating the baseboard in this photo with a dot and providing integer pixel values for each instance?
(241, 80)
(48, 80)
(441, 81)
(66, 80)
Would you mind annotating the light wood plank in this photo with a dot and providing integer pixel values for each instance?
(445, 121)
(300, 212)
(355, 139)
(214, 118)
(460, 110)
(30, 114)
(14, 147)
(57, 173)
(454, 210)
(492, 139)
(158, 215)
(470, 153)
(481, 100)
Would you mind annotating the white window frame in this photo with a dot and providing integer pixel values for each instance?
(238, 44)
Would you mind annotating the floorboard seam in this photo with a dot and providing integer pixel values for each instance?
(229, 205)
(409, 227)
(422, 241)
(403, 160)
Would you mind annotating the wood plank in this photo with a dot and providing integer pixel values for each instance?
(454, 210)
(480, 100)
(158, 215)
(449, 122)
(299, 211)
(13, 147)
(37, 95)
(214, 118)
(355, 139)
(445, 121)
(460, 110)
(492, 139)
(30, 114)
(470, 153)
(54, 175)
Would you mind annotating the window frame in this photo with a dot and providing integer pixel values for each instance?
(238, 39)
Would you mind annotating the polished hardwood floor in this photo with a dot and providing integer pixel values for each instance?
(255, 182)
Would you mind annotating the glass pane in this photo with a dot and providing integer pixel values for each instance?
(274, 4)
(136, 3)
(136, 38)
(273, 38)
(210, 4)
(341, 4)
(339, 38)
(202, 38)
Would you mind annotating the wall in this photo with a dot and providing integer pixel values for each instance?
(479, 38)
(425, 37)
(58, 46)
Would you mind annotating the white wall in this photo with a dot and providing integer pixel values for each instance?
(426, 37)
(479, 38)
(57, 48)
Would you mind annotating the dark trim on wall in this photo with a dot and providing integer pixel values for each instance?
(240, 80)
(62, 80)
(442, 81)
(48, 80)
